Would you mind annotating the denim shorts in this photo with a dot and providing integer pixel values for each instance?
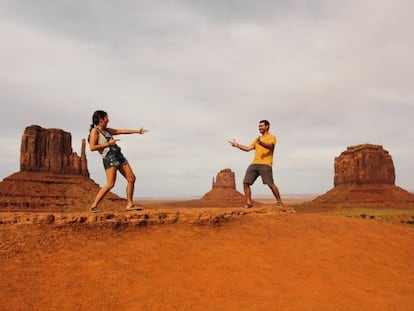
(114, 158)
(254, 170)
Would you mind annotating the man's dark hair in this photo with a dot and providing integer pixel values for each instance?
(265, 122)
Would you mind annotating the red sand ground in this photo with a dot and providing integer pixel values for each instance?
(263, 261)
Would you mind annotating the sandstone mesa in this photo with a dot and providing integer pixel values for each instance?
(365, 176)
(51, 175)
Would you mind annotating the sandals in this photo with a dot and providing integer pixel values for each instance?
(94, 209)
(133, 208)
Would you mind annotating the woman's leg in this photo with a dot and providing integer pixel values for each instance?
(110, 182)
(129, 175)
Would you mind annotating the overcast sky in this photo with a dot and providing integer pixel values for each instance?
(326, 74)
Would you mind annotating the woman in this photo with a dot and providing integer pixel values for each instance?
(101, 140)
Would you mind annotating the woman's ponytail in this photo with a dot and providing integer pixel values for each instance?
(97, 115)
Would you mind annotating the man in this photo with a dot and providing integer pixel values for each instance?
(264, 146)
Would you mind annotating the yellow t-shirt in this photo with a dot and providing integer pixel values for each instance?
(263, 155)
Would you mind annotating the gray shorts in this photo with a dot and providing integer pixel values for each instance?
(254, 170)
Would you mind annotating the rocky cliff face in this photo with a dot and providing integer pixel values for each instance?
(51, 175)
(364, 176)
(48, 191)
(223, 192)
(225, 179)
(50, 150)
(364, 164)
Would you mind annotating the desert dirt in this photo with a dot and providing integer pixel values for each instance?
(203, 259)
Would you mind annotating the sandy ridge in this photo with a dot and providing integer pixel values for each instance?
(145, 217)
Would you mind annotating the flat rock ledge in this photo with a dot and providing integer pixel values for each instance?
(145, 217)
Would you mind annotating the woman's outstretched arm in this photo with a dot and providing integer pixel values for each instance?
(127, 131)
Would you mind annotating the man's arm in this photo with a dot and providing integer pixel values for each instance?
(270, 146)
(234, 143)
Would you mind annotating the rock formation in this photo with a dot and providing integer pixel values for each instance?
(50, 150)
(222, 194)
(51, 175)
(224, 190)
(225, 179)
(364, 164)
(365, 175)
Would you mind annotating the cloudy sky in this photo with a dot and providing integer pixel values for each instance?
(326, 74)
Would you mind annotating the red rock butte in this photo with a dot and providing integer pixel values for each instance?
(223, 193)
(51, 175)
(50, 150)
(365, 175)
(223, 190)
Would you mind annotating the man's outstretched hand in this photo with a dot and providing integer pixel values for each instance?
(233, 142)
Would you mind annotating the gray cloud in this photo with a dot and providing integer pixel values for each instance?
(327, 74)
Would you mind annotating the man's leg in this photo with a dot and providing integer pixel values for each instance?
(249, 179)
(267, 176)
(248, 194)
(276, 193)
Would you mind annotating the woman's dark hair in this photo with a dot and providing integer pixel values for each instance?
(97, 115)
